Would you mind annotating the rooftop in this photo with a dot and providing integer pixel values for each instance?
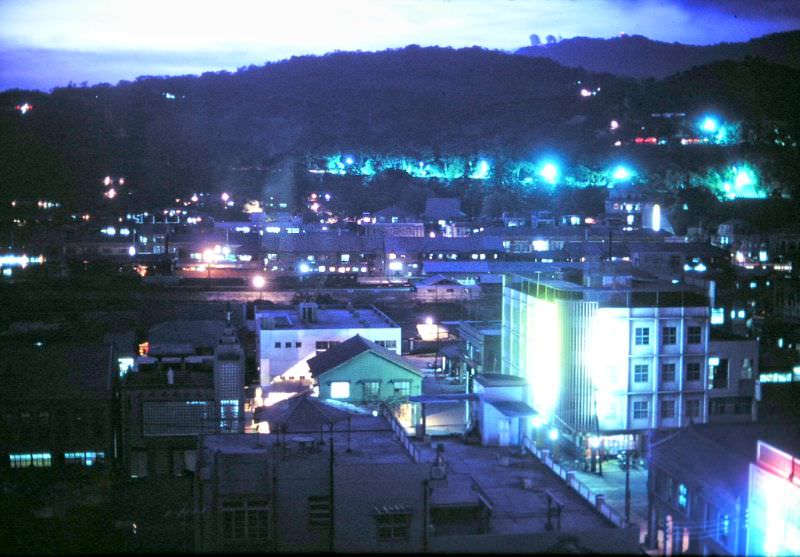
(357, 318)
(351, 348)
(371, 440)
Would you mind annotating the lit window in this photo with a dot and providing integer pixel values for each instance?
(345, 258)
(87, 458)
(669, 335)
(402, 388)
(639, 409)
(340, 389)
(640, 373)
(642, 336)
(683, 496)
(372, 389)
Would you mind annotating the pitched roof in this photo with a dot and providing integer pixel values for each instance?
(443, 208)
(349, 349)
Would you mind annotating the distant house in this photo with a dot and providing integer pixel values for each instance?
(438, 288)
(443, 208)
(362, 372)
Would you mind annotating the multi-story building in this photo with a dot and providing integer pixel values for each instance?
(614, 357)
(229, 364)
(286, 338)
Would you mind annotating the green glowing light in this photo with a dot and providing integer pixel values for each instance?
(481, 171)
(621, 173)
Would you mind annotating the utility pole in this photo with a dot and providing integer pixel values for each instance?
(627, 486)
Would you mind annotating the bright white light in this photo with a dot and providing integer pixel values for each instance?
(537, 421)
(107, 181)
(396, 266)
(340, 389)
(614, 125)
(594, 442)
(553, 434)
(540, 245)
(225, 197)
(709, 124)
(349, 160)
(111, 194)
(304, 268)
(131, 251)
(259, 282)
(655, 223)
(549, 172)
(586, 93)
(429, 320)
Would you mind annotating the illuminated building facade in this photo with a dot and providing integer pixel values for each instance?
(287, 338)
(616, 357)
(773, 503)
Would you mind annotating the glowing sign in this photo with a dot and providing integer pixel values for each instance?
(773, 504)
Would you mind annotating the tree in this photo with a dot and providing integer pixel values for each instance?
(551, 39)
(535, 40)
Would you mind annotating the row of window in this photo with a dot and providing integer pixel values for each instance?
(669, 335)
(641, 372)
(45, 460)
(78, 422)
(372, 389)
(249, 520)
(641, 409)
(322, 345)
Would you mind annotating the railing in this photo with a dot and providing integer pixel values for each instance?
(578, 486)
(400, 432)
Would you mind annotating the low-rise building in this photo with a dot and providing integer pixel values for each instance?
(286, 338)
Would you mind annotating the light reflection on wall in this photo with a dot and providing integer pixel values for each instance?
(543, 355)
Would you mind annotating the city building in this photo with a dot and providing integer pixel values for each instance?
(438, 288)
(615, 355)
(229, 367)
(286, 338)
(361, 372)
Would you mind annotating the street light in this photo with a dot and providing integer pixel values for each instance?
(258, 283)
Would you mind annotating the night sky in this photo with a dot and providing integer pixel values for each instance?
(47, 43)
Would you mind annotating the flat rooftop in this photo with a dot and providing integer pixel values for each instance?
(517, 488)
(371, 441)
(357, 318)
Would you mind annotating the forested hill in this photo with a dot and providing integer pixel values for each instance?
(184, 131)
(172, 135)
(637, 56)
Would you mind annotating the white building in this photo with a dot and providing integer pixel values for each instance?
(614, 357)
(229, 382)
(287, 337)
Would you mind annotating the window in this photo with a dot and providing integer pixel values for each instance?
(298, 344)
(287, 344)
(642, 336)
(718, 373)
(402, 388)
(669, 335)
(693, 371)
(668, 408)
(345, 258)
(640, 372)
(37, 460)
(683, 496)
(319, 511)
(692, 408)
(88, 458)
(393, 523)
(277, 345)
(639, 409)
(694, 335)
(340, 389)
(245, 520)
(372, 389)
(668, 372)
